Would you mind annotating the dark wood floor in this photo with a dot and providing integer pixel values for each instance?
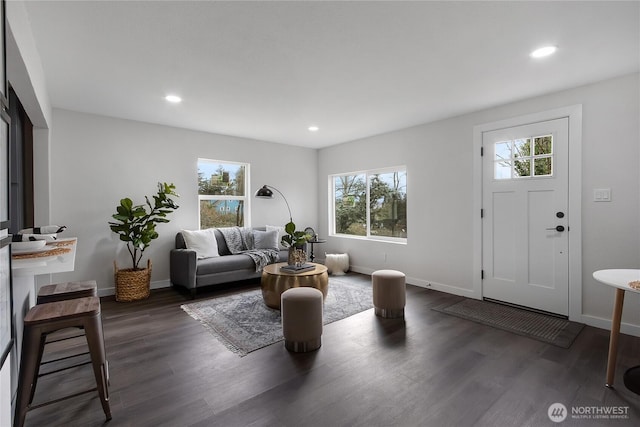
(431, 369)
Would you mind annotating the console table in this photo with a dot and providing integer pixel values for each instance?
(59, 257)
(618, 279)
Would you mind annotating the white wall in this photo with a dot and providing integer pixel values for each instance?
(439, 159)
(5, 393)
(24, 69)
(96, 161)
(24, 73)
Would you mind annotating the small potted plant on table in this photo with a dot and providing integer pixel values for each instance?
(295, 241)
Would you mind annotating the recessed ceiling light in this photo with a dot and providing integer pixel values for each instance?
(173, 99)
(543, 51)
(313, 128)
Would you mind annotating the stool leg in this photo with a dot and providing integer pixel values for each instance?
(43, 339)
(95, 341)
(32, 344)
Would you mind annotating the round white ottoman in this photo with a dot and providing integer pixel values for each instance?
(389, 296)
(301, 310)
(337, 264)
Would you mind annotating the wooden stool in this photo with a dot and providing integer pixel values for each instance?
(67, 290)
(46, 318)
(60, 292)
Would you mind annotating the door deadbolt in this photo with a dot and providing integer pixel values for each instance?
(560, 214)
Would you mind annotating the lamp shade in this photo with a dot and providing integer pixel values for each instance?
(264, 193)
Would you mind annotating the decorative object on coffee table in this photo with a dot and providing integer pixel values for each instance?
(136, 225)
(295, 241)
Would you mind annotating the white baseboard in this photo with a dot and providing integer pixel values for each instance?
(469, 293)
(361, 270)
(602, 323)
(105, 292)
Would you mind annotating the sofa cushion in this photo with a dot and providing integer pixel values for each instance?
(202, 241)
(224, 263)
(281, 232)
(265, 239)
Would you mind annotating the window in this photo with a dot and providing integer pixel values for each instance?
(222, 193)
(371, 204)
(350, 201)
(520, 158)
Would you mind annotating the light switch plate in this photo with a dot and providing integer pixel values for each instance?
(602, 195)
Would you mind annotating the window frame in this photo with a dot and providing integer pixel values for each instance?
(367, 174)
(530, 158)
(247, 185)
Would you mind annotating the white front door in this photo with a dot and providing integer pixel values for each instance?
(525, 258)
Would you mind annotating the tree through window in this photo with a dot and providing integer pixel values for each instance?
(370, 204)
(222, 193)
(524, 157)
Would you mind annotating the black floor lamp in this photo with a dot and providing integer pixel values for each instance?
(266, 193)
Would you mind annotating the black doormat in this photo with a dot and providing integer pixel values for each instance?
(542, 327)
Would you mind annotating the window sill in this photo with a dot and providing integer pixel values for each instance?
(392, 240)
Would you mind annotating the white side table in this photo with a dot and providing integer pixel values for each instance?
(619, 279)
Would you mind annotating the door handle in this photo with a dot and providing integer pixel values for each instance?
(559, 228)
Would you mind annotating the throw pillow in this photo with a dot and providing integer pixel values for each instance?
(265, 239)
(202, 241)
(280, 230)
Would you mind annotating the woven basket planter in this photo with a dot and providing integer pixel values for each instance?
(132, 285)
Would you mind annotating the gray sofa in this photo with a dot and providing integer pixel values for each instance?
(188, 271)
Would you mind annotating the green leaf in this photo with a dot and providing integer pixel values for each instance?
(286, 241)
(290, 228)
(126, 203)
(136, 223)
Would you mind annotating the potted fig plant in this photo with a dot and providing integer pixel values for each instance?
(136, 225)
(295, 242)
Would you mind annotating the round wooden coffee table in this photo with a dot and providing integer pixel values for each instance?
(274, 282)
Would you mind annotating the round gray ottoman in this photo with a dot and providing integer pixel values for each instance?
(389, 296)
(301, 310)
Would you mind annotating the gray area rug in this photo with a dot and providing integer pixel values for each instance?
(243, 323)
(542, 327)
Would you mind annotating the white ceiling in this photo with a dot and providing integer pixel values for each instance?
(268, 70)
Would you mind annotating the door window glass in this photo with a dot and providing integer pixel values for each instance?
(523, 158)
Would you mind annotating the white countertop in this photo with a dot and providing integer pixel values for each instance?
(618, 278)
(54, 263)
